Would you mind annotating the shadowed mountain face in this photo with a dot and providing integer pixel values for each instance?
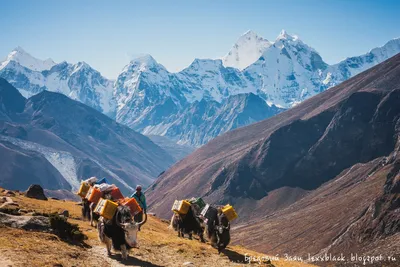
(74, 141)
(11, 100)
(330, 153)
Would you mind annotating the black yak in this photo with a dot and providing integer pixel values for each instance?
(120, 231)
(188, 224)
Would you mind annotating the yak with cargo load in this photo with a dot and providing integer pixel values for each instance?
(120, 231)
(185, 220)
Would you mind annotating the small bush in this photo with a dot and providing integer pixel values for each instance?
(66, 230)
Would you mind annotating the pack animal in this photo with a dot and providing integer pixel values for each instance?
(88, 210)
(218, 231)
(188, 224)
(120, 232)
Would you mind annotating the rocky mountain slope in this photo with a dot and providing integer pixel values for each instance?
(150, 99)
(55, 141)
(177, 151)
(335, 151)
(203, 120)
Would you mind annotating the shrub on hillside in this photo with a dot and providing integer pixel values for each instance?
(66, 230)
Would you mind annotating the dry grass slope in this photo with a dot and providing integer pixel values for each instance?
(158, 245)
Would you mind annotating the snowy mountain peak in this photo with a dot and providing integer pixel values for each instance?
(249, 34)
(283, 35)
(82, 65)
(248, 48)
(144, 60)
(23, 58)
(19, 49)
(141, 64)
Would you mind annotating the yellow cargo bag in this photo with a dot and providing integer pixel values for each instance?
(229, 212)
(181, 206)
(106, 208)
(83, 189)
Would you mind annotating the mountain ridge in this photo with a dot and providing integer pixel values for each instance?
(73, 141)
(146, 95)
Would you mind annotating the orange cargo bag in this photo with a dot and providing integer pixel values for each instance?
(116, 194)
(94, 195)
(133, 205)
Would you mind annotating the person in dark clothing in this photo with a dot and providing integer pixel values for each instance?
(141, 199)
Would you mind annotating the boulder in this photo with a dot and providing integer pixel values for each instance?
(37, 223)
(35, 191)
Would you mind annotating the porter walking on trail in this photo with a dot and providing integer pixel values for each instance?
(141, 199)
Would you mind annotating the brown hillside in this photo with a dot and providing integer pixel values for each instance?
(158, 245)
(290, 160)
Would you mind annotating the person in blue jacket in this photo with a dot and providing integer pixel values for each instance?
(141, 199)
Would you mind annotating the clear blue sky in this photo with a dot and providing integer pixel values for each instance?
(107, 34)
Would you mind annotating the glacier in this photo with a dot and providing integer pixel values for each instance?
(63, 161)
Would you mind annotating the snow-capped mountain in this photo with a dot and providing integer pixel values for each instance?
(355, 65)
(150, 98)
(78, 81)
(24, 59)
(146, 93)
(205, 99)
(246, 51)
(288, 72)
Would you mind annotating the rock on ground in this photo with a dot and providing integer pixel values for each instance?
(35, 191)
(38, 223)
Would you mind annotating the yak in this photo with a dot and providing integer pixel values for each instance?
(218, 231)
(88, 209)
(88, 212)
(188, 224)
(120, 231)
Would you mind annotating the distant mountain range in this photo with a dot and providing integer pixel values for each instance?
(255, 80)
(54, 141)
(321, 177)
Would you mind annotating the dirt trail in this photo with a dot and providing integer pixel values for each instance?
(100, 253)
(5, 261)
(162, 256)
